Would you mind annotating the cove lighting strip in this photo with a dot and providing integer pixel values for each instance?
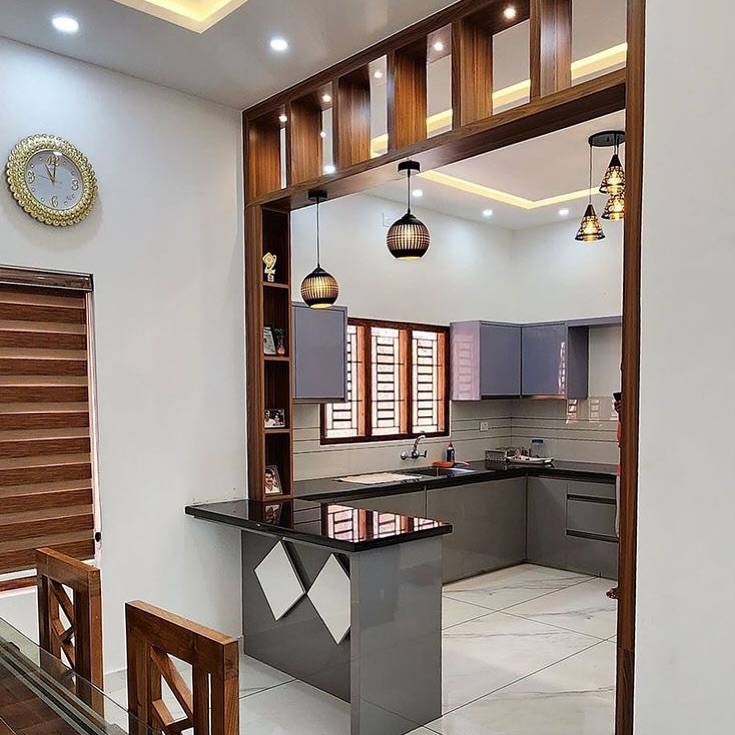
(194, 15)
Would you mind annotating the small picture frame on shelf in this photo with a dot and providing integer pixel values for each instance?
(269, 341)
(272, 481)
(275, 418)
(269, 267)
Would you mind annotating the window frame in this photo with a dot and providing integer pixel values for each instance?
(406, 328)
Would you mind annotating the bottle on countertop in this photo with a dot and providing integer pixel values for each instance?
(537, 447)
(450, 452)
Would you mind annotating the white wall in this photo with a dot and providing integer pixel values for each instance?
(467, 270)
(685, 646)
(164, 245)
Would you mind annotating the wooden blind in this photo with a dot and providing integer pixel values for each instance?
(46, 496)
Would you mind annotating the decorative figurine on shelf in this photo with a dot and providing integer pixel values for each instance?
(272, 484)
(280, 335)
(269, 342)
(270, 267)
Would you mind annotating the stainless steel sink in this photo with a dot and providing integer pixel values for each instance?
(437, 471)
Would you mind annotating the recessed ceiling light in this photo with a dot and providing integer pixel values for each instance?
(282, 118)
(563, 212)
(509, 13)
(326, 98)
(279, 44)
(378, 74)
(329, 169)
(65, 23)
(439, 46)
(322, 134)
(487, 212)
(418, 193)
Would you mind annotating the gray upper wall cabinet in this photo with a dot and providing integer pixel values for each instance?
(486, 360)
(320, 353)
(555, 360)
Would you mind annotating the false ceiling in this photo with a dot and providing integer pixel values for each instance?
(219, 49)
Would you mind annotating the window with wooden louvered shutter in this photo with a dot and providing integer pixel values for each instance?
(46, 477)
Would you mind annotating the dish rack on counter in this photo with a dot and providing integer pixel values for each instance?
(517, 455)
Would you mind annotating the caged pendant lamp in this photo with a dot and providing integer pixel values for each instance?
(319, 289)
(408, 238)
(590, 229)
(613, 182)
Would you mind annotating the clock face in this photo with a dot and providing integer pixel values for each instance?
(54, 180)
(51, 180)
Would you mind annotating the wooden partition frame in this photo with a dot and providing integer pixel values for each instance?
(81, 642)
(555, 104)
(153, 637)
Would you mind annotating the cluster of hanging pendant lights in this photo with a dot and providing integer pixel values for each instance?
(613, 184)
(408, 239)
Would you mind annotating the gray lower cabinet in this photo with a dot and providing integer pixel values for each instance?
(489, 522)
(571, 525)
(547, 521)
(405, 504)
(320, 353)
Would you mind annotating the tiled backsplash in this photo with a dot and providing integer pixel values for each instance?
(575, 430)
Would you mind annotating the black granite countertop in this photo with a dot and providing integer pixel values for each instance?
(333, 489)
(326, 524)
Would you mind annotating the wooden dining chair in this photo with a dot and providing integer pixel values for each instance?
(79, 641)
(154, 638)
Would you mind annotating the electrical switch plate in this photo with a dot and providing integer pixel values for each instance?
(484, 426)
(387, 220)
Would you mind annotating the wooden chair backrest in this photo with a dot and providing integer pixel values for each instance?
(154, 636)
(81, 642)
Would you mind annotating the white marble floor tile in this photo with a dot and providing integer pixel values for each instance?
(256, 676)
(507, 587)
(573, 697)
(583, 608)
(455, 612)
(294, 708)
(488, 653)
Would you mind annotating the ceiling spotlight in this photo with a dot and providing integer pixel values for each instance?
(329, 169)
(509, 13)
(487, 212)
(438, 46)
(282, 118)
(279, 44)
(418, 193)
(326, 97)
(563, 212)
(322, 134)
(65, 23)
(377, 74)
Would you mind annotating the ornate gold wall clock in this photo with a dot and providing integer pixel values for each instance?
(52, 180)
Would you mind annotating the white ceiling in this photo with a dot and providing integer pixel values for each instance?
(231, 61)
(549, 166)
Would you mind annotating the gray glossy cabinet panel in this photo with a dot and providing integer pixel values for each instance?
(591, 516)
(592, 556)
(591, 489)
(320, 353)
(555, 360)
(485, 360)
(547, 521)
(489, 520)
(405, 504)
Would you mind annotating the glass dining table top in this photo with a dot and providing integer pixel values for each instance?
(40, 695)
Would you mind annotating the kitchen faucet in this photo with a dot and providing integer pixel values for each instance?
(415, 454)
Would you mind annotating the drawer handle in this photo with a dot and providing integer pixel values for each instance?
(593, 536)
(592, 499)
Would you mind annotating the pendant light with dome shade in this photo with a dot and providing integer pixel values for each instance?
(408, 238)
(590, 229)
(319, 289)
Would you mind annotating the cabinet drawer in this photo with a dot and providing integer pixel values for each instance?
(596, 517)
(592, 556)
(591, 489)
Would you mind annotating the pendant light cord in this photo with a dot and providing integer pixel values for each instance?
(408, 190)
(318, 263)
(590, 184)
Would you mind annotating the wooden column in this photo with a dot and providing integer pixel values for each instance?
(407, 95)
(351, 121)
(263, 160)
(551, 46)
(628, 550)
(472, 72)
(303, 139)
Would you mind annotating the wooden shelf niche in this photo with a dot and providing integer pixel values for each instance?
(269, 376)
